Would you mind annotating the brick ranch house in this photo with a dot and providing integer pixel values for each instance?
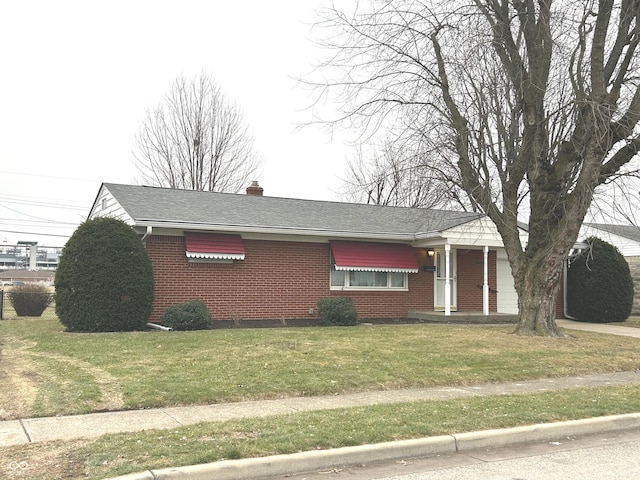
(258, 258)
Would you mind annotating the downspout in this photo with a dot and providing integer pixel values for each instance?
(565, 308)
(156, 326)
(151, 325)
(575, 251)
(146, 235)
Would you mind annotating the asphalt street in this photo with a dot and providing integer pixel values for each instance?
(596, 457)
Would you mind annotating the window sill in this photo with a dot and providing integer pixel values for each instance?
(369, 289)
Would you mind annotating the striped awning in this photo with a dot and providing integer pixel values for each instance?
(374, 257)
(214, 246)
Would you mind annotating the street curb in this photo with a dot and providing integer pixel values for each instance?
(253, 468)
(545, 432)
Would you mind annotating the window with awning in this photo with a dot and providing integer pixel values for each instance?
(374, 257)
(201, 246)
(368, 265)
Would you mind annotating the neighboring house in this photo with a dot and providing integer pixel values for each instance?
(16, 277)
(627, 239)
(253, 257)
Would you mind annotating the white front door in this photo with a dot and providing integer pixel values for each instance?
(440, 280)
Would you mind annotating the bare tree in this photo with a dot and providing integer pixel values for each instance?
(618, 202)
(402, 174)
(535, 102)
(196, 140)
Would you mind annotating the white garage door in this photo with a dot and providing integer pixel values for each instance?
(507, 297)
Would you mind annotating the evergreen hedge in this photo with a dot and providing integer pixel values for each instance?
(104, 281)
(599, 284)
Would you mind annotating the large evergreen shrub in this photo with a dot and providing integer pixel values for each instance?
(599, 284)
(104, 281)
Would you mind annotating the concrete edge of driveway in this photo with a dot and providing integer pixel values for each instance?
(253, 468)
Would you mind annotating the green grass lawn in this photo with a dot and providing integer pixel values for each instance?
(64, 373)
(45, 371)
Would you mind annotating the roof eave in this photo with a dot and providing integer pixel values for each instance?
(253, 229)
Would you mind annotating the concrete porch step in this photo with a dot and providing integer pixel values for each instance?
(463, 317)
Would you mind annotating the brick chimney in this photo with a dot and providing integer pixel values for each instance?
(255, 189)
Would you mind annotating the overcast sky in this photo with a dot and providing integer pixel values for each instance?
(77, 77)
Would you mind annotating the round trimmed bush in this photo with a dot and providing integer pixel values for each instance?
(337, 311)
(104, 281)
(599, 284)
(191, 315)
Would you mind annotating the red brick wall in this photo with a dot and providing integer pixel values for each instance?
(276, 280)
(285, 279)
(471, 279)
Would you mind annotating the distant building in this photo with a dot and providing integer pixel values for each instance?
(29, 256)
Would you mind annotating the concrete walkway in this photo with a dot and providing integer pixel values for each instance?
(599, 328)
(24, 431)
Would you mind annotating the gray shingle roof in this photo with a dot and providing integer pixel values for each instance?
(170, 206)
(631, 232)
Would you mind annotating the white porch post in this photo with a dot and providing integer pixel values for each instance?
(447, 280)
(485, 284)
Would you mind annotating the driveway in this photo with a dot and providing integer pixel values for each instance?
(599, 328)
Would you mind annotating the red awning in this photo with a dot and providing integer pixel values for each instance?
(374, 257)
(215, 246)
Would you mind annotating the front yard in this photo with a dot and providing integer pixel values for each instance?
(45, 371)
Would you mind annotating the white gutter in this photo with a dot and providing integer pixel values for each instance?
(276, 231)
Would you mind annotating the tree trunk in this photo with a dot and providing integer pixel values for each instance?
(538, 289)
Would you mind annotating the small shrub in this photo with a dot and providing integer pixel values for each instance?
(337, 311)
(30, 300)
(192, 315)
(599, 284)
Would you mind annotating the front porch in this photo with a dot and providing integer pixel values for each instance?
(477, 318)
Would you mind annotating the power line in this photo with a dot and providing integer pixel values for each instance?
(39, 225)
(27, 215)
(51, 176)
(37, 234)
(37, 202)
